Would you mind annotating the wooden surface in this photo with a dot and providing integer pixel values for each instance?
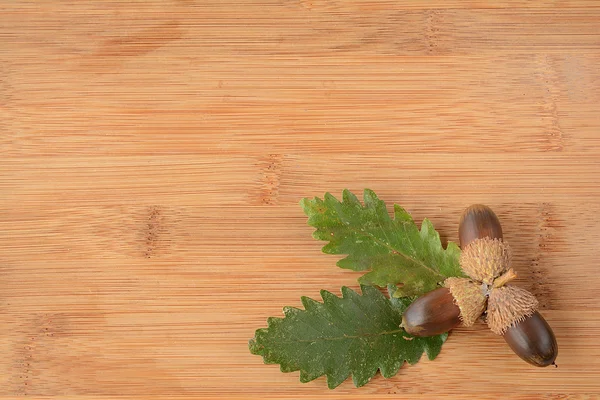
(153, 154)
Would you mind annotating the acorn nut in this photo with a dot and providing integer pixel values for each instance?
(461, 300)
(477, 222)
(484, 255)
(512, 313)
(533, 340)
(431, 314)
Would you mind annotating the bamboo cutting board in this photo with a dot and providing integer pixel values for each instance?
(153, 154)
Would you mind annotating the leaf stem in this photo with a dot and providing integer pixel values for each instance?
(504, 278)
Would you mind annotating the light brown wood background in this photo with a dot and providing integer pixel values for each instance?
(153, 154)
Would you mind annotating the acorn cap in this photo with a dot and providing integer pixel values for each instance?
(485, 259)
(507, 306)
(469, 298)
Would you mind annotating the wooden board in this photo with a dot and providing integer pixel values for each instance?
(153, 154)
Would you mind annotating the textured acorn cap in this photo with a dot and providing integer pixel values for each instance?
(469, 298)
(507, 306)
(484, 259)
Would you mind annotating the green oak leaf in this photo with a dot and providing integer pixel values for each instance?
(392, 250)
(352, 335)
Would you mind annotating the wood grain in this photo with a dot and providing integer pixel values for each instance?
(153, 154)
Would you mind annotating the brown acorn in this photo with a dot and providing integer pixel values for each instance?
(477, 222)
(461, 300)
(431, 314)
(533, 340)
(512, 312)
(485, 255)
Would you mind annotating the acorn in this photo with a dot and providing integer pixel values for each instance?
(431, 314)
(476, 222)
(461, 300)
(485, 255)
(533, 340)
(511, 311)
